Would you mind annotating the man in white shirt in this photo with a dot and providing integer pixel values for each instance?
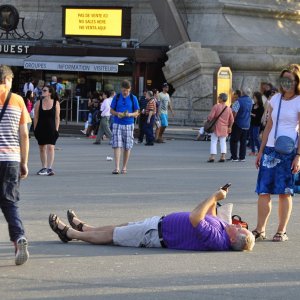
(28, 86)
(105, 116)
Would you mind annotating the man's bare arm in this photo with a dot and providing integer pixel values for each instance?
(206, 207)
(24, 149)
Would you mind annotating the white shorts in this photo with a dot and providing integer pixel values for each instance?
(138, 234)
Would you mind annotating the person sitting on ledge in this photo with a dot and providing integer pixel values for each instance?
(199, 230)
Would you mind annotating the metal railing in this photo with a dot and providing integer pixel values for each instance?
(78, 110)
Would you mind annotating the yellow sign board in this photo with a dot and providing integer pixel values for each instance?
(93, 22)
(223, 83)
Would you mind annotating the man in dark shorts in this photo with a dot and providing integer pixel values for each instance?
(199, 230)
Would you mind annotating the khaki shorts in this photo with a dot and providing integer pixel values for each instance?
(138, 234)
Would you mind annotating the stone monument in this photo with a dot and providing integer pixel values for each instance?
(255, 38)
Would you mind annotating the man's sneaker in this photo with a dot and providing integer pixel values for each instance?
(234, 160)
(22, 253)
(50, 172)
(42, 172)
(242, 160)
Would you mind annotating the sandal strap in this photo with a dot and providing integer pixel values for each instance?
(280, 237)
(259, 235)
(66, 228)
(71, 215)
(62, 233)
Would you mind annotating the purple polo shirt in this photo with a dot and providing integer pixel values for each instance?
(179, 233)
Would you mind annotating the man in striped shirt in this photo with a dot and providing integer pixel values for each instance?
(14, 148)
(150, 117)
(199, 230)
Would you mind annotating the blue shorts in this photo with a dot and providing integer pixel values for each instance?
(164, 120)
(122, 136)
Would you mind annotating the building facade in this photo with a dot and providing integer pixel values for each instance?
(254, 38)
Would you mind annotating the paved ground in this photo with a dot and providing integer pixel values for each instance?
(161, 179)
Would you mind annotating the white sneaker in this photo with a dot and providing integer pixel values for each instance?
(43, 172)
(22, 253)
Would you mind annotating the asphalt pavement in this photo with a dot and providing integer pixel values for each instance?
(161, 179)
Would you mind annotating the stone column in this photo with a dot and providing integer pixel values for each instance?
(190, 69)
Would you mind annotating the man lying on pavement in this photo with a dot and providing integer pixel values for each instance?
(199, 230)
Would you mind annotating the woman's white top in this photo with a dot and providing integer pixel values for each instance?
(288, 118)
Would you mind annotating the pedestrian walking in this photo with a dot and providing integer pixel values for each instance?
(255, 125)
(241, 112)
(14, 148)
(142, 120)
(28, 100)
(150, 113)
(222, 128)
(104, 121)
(28, 86)
(164, 105)
(46, 125)
(124, 108)
(278, 166)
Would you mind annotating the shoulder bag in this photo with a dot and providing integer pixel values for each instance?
(283, 144)
(210, 126)
(5, 105)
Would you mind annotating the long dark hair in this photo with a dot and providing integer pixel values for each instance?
(258, 97)
(52, 91)
(28, 97)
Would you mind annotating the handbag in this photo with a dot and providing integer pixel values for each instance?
(210, 126)
(283, 144)
(237, 220)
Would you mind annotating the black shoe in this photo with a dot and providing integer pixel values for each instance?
(149, 144)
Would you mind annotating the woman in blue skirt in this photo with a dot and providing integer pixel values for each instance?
(276, 170)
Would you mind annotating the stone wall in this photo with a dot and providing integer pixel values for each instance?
(255, 38)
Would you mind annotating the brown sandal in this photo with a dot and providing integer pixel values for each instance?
(62, 233)
(71, 215)
(259, 236)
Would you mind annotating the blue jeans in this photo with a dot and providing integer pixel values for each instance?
(254, 138)
(9, 197)
(148, 129)
(238, 135)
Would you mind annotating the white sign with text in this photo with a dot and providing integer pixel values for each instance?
(71, 67)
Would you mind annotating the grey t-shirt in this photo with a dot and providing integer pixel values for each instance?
(164, 100)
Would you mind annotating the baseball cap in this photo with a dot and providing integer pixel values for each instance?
(165, 85)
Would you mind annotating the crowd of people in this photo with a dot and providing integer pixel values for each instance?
(242, 123)
(274, 114)
(152, 119)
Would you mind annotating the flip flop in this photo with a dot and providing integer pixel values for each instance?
(71, 215)
(62, 233)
